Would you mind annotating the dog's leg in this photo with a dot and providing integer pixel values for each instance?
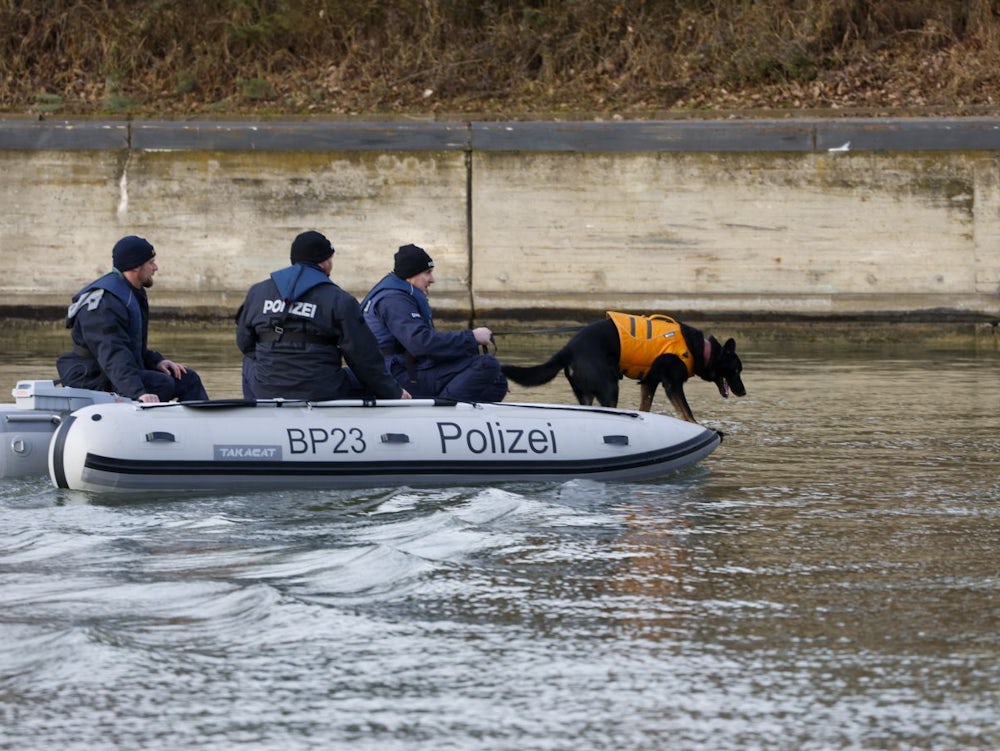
(646, 391)
(583, 397)
(607, 394)
(680, 402)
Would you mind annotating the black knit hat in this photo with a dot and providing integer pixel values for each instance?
(410, 261)
(131, 252)
(311, 247)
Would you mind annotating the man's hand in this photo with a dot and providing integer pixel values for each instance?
(149, 398)
(172, 368)
(483, 335)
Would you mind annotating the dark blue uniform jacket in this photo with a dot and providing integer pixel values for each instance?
(109, 319)
(299, 328)
(430, 363)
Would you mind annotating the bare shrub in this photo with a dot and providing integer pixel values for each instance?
(496, 58)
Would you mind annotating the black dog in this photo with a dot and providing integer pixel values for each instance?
(657, 350)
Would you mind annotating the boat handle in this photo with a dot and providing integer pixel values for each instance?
(616, 440)
(54, 419)
(161, 436)
(395, 438)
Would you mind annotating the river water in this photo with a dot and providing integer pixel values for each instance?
(829, 578)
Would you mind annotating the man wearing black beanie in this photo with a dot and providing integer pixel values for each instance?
(430, 363)
(297, 327)
(109, 319)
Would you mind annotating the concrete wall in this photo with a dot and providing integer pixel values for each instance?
(797, 217)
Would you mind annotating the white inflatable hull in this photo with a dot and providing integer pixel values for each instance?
(238, 446)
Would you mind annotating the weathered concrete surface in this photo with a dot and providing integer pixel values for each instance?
(523, 219)
(223, 220)
(803, 233)
(236, 212)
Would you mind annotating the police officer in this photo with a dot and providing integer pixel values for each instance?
(430, 363)
(109, 319)
(296, 329)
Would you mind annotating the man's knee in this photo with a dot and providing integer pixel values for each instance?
(482, 380)
(491, 371)
(187, 388)
(190, 388)
(159, 383)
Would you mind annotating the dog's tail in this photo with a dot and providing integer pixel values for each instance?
(536, 375)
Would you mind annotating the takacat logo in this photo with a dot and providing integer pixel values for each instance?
(246, 453)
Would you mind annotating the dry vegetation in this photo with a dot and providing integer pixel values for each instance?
(497, 58)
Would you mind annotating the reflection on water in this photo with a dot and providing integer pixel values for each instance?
(826, 579)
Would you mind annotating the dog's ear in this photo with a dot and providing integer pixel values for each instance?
(729, 346)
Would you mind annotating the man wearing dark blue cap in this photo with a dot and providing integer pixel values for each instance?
(430, 363)
(297, 328)
(109, 319)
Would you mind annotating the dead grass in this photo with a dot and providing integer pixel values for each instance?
(634, 58)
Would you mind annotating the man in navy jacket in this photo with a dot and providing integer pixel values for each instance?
(428, 362)
(109, 319)
(296, 329)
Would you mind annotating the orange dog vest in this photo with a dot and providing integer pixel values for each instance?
(644, 338)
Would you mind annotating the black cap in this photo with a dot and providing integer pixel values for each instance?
(410, 261)
(311, 247)
(131, 252)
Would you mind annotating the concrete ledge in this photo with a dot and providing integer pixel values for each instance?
(38, 135)
(784, 135)
(632, 137)
(212, 136)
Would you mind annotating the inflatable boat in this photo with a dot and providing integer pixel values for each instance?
(237, 445)
(27, 425)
